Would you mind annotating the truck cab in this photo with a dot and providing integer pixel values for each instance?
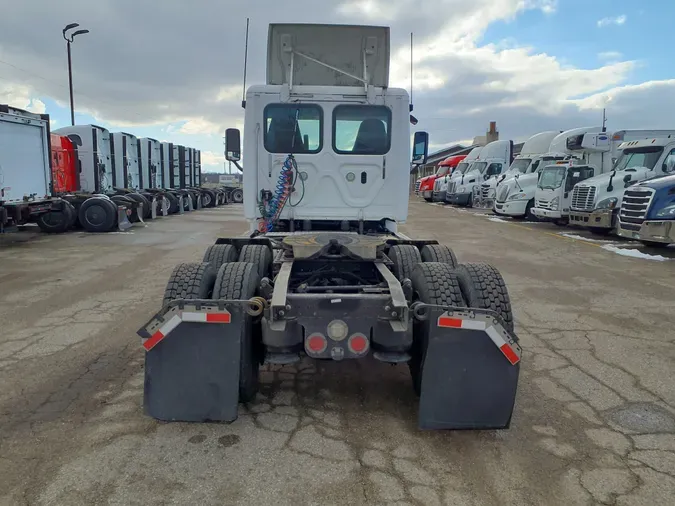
(65, 165)
(531, 155)
(648, 212)
(596, 202)
(124, 153)
(516, 195)
(448, 183)
(492, 160)
(441, 182)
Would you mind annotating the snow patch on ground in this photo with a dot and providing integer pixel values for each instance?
(587, 239)
(500, 220)
(634, 253)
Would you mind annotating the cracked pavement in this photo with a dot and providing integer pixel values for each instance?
(594, 421)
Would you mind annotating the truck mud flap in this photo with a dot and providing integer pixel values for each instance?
(123, 223)
(192, 361)
(199, 201)
(153, 208)
(165, 206)
(469, 372)
(180, 205)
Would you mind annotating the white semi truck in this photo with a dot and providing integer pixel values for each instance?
(596, 202)
(515, 196)
(531, 155)
(450, 181)
(324, 272)
(595, 154)
(492, 160)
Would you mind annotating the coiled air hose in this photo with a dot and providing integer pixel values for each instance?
(271, 211)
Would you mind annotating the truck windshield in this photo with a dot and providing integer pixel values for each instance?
(520, 165)
(442, 170)
(477, 167)
(576, 175)
(461, 168)
(552, 177)
(639, 157)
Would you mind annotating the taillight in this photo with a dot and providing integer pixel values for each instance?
(358, 343)
(316, 343)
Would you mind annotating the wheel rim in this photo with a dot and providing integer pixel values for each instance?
(95, 215)
(53, 219)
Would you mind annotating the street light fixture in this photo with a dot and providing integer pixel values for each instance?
(69, 40)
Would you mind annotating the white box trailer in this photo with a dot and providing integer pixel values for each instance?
(25, 170)
(124, 151)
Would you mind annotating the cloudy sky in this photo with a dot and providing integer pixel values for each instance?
(172, 69)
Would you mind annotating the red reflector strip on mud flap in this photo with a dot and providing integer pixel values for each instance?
(509, 348)
(184, 316)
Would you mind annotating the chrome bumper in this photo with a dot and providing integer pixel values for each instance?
(600, 218)
(652, 231)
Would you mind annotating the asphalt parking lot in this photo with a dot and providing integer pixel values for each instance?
(594, 421)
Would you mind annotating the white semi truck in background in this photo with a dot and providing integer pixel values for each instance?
(448, 181)
(515, 196)
(532, 153)
(595, 154)
(494, 158)
(596, 202)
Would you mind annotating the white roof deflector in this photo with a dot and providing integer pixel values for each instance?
(328, 55)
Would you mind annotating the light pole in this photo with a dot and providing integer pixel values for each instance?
(69, 38)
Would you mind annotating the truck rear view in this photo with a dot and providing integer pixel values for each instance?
(324, 272)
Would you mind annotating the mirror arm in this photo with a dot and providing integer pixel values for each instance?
(236, 164)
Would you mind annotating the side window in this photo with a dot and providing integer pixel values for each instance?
(361, 129)
(669, 162)
(535, 166)
(293, 128)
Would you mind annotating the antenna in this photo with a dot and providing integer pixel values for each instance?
(411, 71)
(604, 120)
(243, 94)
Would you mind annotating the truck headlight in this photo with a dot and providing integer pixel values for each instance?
(555, 203)
(609, 203)
(518, 196)
(462, 189)
(667, 212)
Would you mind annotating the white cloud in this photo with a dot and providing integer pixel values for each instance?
(610, 56)
(209, 158)
(618, 20)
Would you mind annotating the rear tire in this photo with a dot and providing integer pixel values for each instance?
(437, 284)
(438, 253)
(483, 287)
(405, 258)
(190, 281)
(258, 255)
(237, 196)
(147, 210)
(98, 214)
(55, 222)
(240, 281)
(173, 202)
(562, 222)
(220, 254)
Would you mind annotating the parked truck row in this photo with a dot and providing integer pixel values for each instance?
(87, 177)
(587, 177)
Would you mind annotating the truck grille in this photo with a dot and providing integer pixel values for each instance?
(437, 185)
(451, 187)
(583, 198)
(503, 193)
(543, 204)
(486, 192)
(417, 186)
(635, 205)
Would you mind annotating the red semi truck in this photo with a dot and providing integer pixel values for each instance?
(445, 168)
(64, 165)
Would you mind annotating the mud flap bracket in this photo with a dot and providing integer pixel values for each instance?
(123, 223)
(470, 368)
